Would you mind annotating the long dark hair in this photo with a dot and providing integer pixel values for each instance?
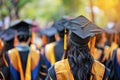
(80, 61)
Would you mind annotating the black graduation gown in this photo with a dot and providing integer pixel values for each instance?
(52, 73)
(59, 49)
(23, 52)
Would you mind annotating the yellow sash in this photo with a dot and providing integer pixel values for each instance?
(49, 53)
(33, 58)
(63, 72)
(62, 69)
(97, 54)
(98, 70)
(106, 53)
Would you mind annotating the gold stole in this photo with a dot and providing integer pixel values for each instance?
(63, 71)
(49, 53)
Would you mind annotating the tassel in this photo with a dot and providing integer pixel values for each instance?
(65, 40)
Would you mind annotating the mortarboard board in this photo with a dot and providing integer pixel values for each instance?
(83, 27)
(59, 25)
(49, 31)
(8, 34)
(82, 30)
(49, 34)
(22, 27)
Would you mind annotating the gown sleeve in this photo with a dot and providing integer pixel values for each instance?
(4, 73)
(51, 74)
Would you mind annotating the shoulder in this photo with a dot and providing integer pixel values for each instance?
(98, 64)
(61, 66)
(49, 46)
(12, 50)
(58, 70)
(100, 70)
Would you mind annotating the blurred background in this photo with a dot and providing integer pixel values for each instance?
(45, 12)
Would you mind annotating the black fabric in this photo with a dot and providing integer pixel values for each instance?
(50, 31)
(82, 27)
(59, 49)
(9, 45)
(23, 57)
(51, 73)
(5, 70)
(106, 74)
(42, 69)
(8, 35)
(113, 74)
(22, 27)
(59, 25)
(79, 41)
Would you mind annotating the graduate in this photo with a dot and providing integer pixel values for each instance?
(23, 62)
(99, 47)
(1, 50)
(78, 63)
(7, 42)
(59, 46)
(8, 37)
(48, 49)
(114, 62)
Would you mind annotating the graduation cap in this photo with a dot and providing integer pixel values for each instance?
(49, 34)
(82, 30)
(22, 27)
(83, 27)
(59, 25)
(49, 31)
(8, 34)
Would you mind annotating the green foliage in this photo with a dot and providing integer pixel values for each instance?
(45, 9)
(71, 6)
(21, 3)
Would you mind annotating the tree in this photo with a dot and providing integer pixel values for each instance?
(13, 6)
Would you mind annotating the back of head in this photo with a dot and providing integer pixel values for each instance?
(23, 30)
(50, 34)
(9, 44)
(59, 25)
(23, 37)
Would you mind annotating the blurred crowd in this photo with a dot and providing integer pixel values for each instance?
(51, 44)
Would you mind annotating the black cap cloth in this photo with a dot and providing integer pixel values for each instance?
(8, 34)
(59, 25)
(49, 31)
(81, 30)
(22, 27)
